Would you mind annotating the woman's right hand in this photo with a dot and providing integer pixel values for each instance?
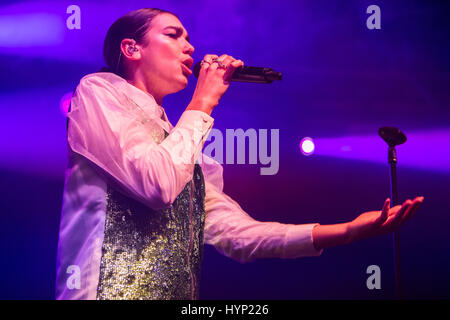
(213, 81)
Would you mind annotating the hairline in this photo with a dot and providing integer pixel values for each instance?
(150, 25)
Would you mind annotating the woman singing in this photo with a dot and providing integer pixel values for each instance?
(138, 203)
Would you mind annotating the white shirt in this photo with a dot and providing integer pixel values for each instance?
(109, 127)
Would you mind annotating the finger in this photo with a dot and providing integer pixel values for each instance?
(229, 68)
(394, 219)
(207, 61)
(210, 57)
(222, 57)
(384, 211)
(204, 65)
(226, 60)
(413, 209)
(394, 210)
(232, 64)
(237, 63)
(230, 71)
(219, 59)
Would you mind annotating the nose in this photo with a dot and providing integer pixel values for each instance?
(188, 49)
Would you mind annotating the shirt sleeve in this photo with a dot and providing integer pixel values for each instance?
(237, 235)
(104, 128)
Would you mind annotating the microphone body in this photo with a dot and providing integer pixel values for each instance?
(249, 74)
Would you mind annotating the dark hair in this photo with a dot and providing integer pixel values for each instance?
(133, 25)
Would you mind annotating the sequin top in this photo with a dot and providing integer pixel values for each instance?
(150, 254)
(128, 189)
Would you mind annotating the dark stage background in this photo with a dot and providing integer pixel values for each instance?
(341, 82)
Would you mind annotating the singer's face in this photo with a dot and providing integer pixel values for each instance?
(166, 54)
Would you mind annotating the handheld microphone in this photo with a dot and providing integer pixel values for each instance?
(249, 74)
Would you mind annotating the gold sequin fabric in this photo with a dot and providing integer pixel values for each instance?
(153, 254)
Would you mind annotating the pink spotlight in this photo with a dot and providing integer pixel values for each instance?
(64, 103)
(307, 146)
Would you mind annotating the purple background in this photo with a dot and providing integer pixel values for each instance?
(341, 82)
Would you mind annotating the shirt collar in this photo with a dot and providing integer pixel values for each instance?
(143, 99)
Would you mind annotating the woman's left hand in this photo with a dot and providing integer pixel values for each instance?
(374, 223)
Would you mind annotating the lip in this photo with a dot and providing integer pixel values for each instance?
(186, 70)
(189, 62)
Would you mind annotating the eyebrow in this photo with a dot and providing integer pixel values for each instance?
(180, 30)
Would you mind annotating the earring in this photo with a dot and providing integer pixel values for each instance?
(132, 49)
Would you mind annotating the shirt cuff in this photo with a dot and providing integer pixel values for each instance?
(197, 120)
(192, 130)
(299, 241)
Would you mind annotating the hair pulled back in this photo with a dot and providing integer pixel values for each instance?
(133, 25)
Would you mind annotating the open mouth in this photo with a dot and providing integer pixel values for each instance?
(186, 71)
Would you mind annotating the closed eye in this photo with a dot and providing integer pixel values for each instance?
(178, 34)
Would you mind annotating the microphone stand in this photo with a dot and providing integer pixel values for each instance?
(393, 137)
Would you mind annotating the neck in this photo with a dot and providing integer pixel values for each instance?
(139, 82)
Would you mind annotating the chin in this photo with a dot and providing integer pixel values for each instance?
(180, 85)
(183, 82)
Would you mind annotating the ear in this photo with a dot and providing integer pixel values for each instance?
(130, 49)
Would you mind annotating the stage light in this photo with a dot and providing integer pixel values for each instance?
(414, 153)
(307, 146)
(30, 30)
